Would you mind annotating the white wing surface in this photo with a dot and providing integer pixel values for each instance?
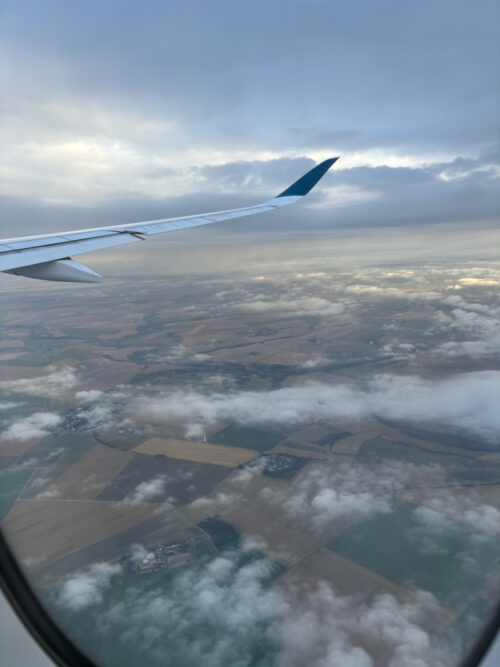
(48, 257)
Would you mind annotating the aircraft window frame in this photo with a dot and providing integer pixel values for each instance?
(42, 627)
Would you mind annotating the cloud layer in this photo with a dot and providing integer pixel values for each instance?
(37, 425)
(468, 401)
(82, 139)
(53, 384)
(239, 620)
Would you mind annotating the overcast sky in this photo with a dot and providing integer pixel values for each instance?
(118, 111)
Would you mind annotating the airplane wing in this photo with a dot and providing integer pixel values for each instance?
(48, 257)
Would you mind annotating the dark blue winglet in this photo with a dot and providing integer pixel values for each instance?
(309, 180)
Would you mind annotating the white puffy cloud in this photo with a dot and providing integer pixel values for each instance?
(87, 588)
(218, 501)
(54, 384)
(148, 490)
(466, 508)
(467, 401)
(303, 306)
(100, 416)
(480, 323)
(373, 290)
(479, 282)
(152, 490)
(325, 630)
(49, 494)
(235, 616)
(320, 496)
(476, 349)
(89, 396)
(194, 431)
(397, 350)
(138, 552)
(39, 482)
(176, 354)
(37, 425)
(9, 405)
(315, 362)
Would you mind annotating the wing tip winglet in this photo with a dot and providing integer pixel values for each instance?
(306, 183)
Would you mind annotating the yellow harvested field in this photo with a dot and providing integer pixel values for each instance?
(202, 452)
(350, 444)
(11, 447)
(195, 330)
(41, 531)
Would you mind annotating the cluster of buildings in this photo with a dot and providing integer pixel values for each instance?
(75, 422)
(278, 464)
(161, 557)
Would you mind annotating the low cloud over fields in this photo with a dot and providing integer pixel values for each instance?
(239, 619)
(224, 611)
(468, 401)
(54, 383)
(300, 307)
(37, 425)
(474, 326)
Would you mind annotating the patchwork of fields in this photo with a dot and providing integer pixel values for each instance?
(139, 450)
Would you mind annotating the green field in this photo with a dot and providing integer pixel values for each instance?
(448, 439)
(444, 557)
(331, 438)
(45, 357)
(24, 405)
(89, 332)
(377, 450)
(463, 467)
(221, 532)
(247, 437)
(12, 483)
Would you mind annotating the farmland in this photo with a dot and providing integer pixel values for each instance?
(408, 557)
(86, 478)
(47, 530)
(203, 452)
(323, 479)
(184, 480)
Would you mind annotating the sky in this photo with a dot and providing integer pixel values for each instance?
(122, 111)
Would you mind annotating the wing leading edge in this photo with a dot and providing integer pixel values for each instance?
(48, 257)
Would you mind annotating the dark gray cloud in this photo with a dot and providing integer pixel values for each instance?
(343, 71)
(118, 112)
(459, 193)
